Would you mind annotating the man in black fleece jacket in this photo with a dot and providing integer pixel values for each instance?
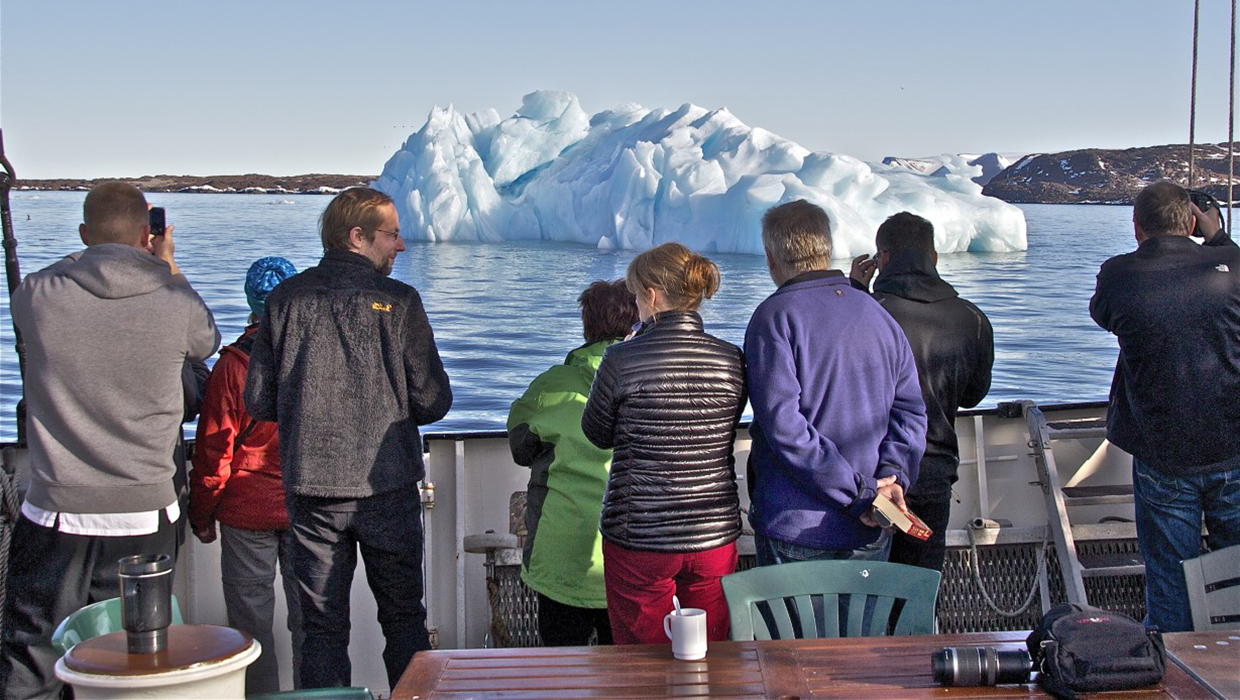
(345, 361)
(954, 348)
(1174, 306)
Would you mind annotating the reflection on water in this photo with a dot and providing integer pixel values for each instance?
(504, 312)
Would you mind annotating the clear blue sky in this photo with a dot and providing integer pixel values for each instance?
(126, 88)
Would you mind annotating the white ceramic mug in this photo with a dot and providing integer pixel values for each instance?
(687, 630)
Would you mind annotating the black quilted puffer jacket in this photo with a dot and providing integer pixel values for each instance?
(668, 401)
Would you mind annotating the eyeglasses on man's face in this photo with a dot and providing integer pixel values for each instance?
(391, 234)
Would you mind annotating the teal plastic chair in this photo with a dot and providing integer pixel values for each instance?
(802, 599)
(93, 620)
(1213, 581)
(316, 694)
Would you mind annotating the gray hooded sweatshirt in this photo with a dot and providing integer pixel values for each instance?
(108, 331)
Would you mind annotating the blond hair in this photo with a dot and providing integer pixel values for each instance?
(355, 207)
(684, 277)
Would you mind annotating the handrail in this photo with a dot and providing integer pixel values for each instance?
(1002, 409)
(998, 410)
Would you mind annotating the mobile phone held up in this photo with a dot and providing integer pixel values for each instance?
(158, 224)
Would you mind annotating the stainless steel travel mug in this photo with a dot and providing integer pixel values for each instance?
(146, 601)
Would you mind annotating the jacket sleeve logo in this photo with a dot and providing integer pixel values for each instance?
(379, 306)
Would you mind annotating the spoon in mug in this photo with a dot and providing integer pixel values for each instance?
(676, 603)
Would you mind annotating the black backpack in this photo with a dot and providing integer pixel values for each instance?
(1083, 649)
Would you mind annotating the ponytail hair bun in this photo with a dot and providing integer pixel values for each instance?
(684, 277)
(701, 278)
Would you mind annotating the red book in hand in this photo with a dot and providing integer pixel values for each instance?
(906, 520)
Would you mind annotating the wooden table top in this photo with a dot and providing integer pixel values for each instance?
(1211, 657)
(864, 668)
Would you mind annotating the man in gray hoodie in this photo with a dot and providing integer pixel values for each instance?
(109, 333)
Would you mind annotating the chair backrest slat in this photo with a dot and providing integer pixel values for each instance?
(831, 614)
(804, 606)
(882, 613)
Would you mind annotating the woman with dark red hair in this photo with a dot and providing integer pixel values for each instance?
(563, 558)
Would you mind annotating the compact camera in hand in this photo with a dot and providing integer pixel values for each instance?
(159, 225)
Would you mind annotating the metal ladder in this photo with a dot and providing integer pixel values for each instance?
(1059, 499)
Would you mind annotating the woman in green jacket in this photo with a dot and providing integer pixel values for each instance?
(563, 558)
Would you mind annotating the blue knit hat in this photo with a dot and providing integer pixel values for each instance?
(263, 277)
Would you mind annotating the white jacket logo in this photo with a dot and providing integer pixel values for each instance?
(1222, 268)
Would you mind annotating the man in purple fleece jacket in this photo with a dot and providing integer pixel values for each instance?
(838, 412)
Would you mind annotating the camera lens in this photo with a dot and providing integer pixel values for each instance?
(973, 666)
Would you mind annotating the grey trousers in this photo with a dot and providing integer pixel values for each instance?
(248, 561)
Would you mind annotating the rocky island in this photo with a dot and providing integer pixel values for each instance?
(232, 184)
(1098, 176)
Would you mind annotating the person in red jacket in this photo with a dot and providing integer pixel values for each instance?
(236, 481)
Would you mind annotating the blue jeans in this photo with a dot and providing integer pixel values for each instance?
(327, 533)
(1169, 513)
(771, 552)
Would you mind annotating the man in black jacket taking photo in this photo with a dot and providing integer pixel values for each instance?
(1174, 307)
(953, 346)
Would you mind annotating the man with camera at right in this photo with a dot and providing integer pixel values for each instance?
(1174, 306)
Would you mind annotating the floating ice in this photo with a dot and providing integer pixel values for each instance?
(981, 168)
(631, 177)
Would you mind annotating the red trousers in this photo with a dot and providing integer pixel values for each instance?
(640, 586)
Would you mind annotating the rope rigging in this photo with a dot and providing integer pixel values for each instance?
(1231, 109)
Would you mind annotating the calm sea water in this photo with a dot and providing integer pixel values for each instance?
(502, 313)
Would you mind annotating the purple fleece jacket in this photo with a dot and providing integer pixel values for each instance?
(836, 406)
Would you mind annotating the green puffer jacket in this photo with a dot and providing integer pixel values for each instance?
(563, 557)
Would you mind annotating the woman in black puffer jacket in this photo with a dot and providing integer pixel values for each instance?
(668, 401)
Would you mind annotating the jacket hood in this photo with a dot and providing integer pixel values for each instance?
(911, 275)
(589, 355)
(116, 271)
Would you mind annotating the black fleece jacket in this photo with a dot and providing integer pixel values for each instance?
(1174, 306)
(954, 348)
(345, 361)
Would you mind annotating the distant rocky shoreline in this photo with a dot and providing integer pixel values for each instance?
(314, 183)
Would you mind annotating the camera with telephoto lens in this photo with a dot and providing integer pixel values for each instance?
(974, 666)
(1205, 202)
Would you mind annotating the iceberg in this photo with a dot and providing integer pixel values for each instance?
(631, 178)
